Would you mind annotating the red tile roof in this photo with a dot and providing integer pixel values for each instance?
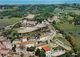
(46, 48)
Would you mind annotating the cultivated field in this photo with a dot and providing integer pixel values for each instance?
(6, 21)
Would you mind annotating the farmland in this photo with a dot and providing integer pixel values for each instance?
(6, 21)
(66, 27)
(73, 31)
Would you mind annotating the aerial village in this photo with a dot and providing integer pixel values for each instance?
(35, 39)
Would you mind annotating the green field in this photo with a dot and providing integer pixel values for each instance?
(75, 30)
(68, 10)
(66, 27)
(76, 42)
(6, 21)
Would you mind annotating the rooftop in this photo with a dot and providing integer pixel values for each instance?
(27, 42)
(46, 48)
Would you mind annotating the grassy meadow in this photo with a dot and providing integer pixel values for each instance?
(6, 21)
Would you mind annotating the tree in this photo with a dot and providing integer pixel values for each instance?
(31, 49)
(17, 25)
(54, 22)
(77, 20)
(1, 17)
(42, 53)
(39, 18)
(37, 52)
(72, 14)
(11, 34)
(14, 48)
(43, 16)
